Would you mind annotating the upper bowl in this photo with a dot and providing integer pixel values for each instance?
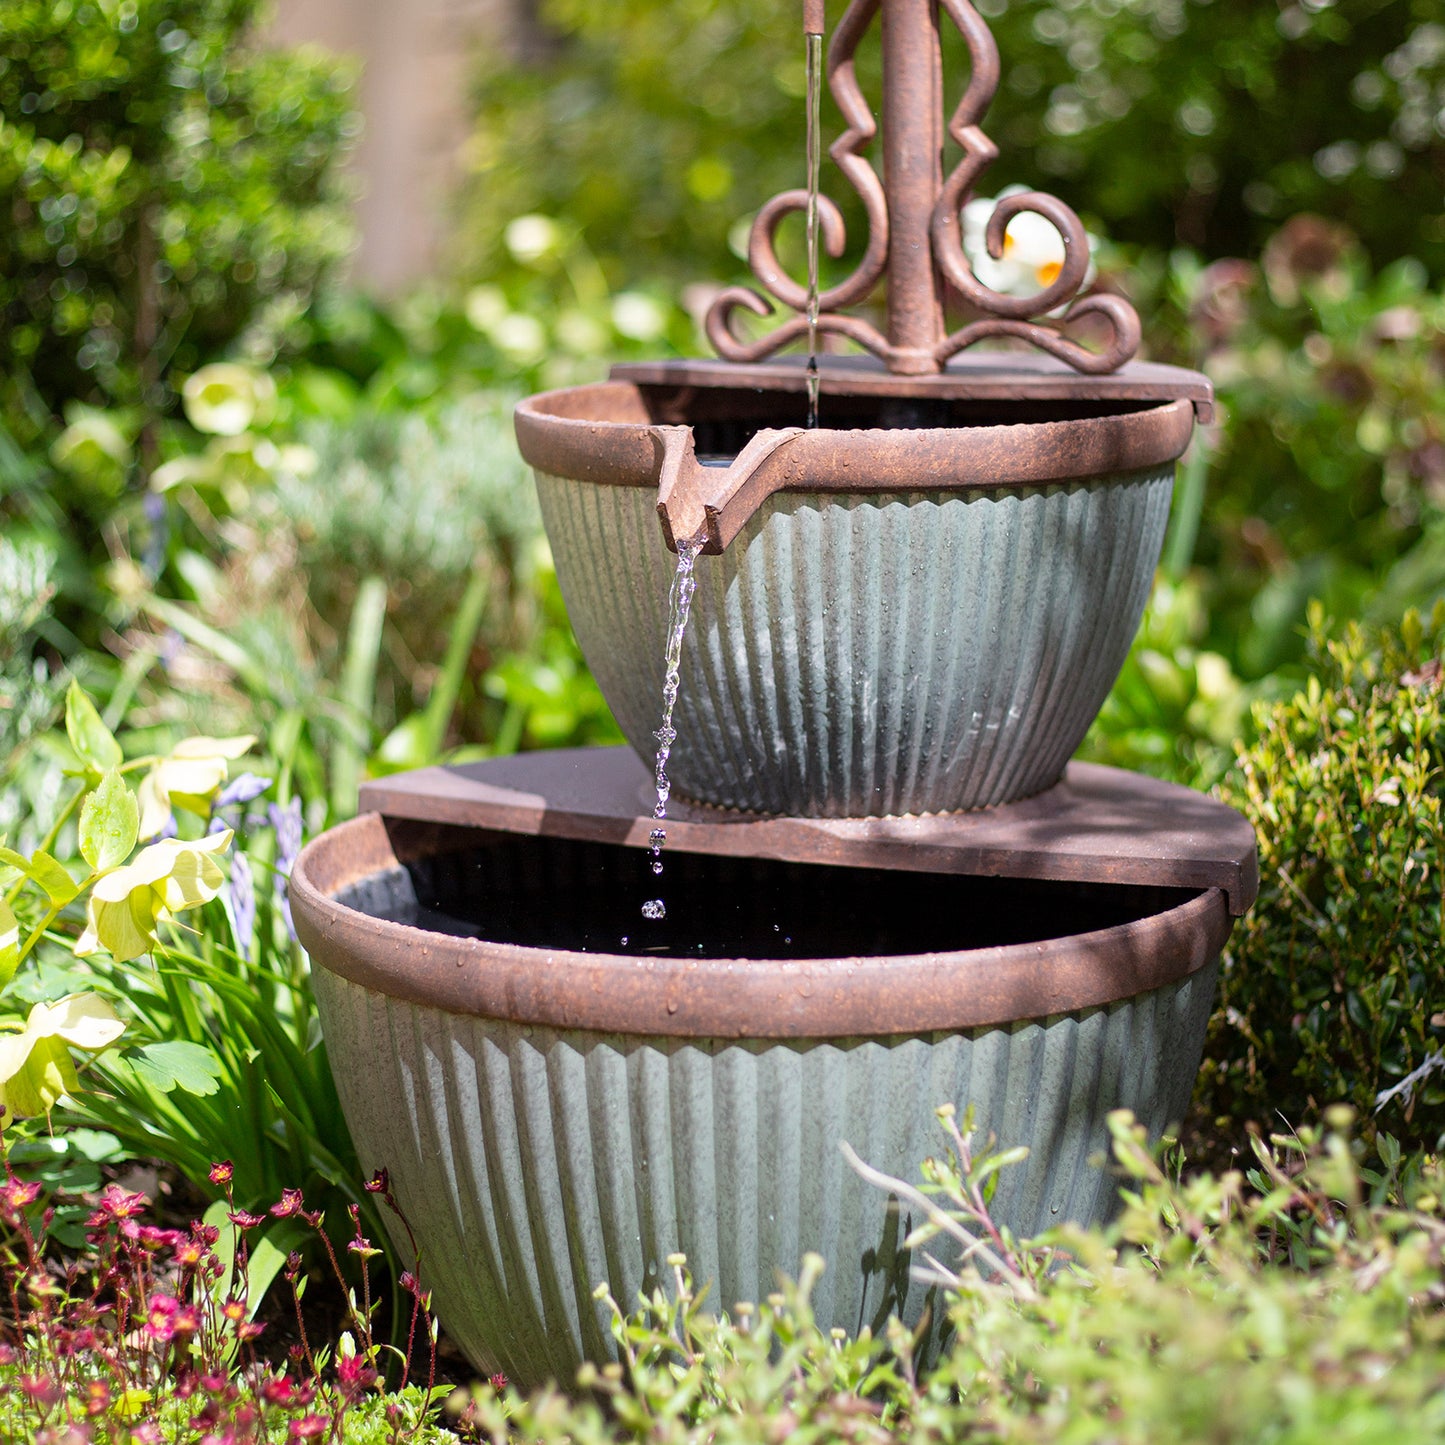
(917, 608)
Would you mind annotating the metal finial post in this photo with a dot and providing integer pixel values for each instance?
(912, 177)
(914, 214)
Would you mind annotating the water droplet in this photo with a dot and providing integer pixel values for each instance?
(654, 908)
(624, 940)
(657, 865)
(657, 837)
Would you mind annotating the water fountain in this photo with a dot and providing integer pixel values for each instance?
(886, 886)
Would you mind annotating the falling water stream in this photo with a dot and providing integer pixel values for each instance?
(683, 581)
(679, 601)
(815, 156)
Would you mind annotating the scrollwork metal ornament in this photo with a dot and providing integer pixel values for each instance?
(914, 229)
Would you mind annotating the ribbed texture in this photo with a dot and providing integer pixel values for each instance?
(534, 1163)
(868, 654)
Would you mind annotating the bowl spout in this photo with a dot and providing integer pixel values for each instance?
(710, 504)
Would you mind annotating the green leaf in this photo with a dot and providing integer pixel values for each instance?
(92, 740)
(52, 875)
(109, 823)
(9, 944)
(178, 1064)
(48, 872)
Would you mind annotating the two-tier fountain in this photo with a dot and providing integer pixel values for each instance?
(885, 886)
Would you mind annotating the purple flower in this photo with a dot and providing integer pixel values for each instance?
(239, 897)
(241, 790)
(286, 820)
(158, 533)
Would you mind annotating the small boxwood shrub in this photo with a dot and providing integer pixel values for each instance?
(1334, 985)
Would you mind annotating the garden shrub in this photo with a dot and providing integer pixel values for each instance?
(1333, 986)
(161, 183)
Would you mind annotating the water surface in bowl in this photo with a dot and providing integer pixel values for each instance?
(552, 893)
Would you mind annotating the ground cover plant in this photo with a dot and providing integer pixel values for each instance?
(1293, 1300)
(149, 1334)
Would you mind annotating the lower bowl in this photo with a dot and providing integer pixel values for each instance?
(564, 1094)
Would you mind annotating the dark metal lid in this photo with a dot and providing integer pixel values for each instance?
(1099, 825)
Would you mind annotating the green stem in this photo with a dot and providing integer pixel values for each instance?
(47, 843)
(39, 933)
(358, 688)
(448, 686)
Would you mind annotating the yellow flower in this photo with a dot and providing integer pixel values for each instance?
(36, 1069)
(127, 905)
(188, 777)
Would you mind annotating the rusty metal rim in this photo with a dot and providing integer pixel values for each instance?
(602, 433)
(715, 998)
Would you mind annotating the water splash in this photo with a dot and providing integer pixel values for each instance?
(815, 158)
(679, 604)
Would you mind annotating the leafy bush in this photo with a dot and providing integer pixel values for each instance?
(1300, 1301)
(162, 184)
(1327, 473)
(1332, 984)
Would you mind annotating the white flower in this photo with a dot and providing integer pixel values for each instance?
(1033, 251)
(127, 905)
(188, 777)
(36, 1069)
(224, 398)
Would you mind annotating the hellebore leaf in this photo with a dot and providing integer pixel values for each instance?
(109, 823)
(9, 944)
(48, 872)
(93, 742)
(178, 1064)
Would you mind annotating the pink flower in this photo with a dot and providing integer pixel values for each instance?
(279, 1390)
(15, 1195)
(290, 1204)
(117, 1203)
(354, 1375)
(379, 1182)
(40, 1390)
(244, 1219)
(222, 1173)
(161, 1317)
(308, 1427)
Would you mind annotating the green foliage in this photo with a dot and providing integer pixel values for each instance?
(1280, 1308)
(1170, 120)
(1327, 474)
(162, 183)
(1176, 708)
(1331, 987)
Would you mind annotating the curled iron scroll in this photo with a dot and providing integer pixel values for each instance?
(1001, 315)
